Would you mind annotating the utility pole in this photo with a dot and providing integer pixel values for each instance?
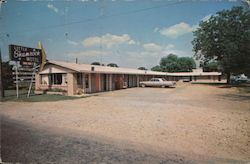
(1, 78)
(1, 68)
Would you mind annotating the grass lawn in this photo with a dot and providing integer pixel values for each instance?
(10, 95)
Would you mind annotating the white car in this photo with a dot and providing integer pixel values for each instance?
(239, 79)
(158, 82)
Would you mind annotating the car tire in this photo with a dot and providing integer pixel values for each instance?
(163, 86)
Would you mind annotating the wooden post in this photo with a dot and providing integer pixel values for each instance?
(31, 82)
(17, 87)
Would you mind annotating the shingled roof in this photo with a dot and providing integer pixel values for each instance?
(120, 70)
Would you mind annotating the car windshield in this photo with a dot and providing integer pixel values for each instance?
(164, 79)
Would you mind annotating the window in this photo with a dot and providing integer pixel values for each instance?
(55, 79)
(79, 78)
(86, 81)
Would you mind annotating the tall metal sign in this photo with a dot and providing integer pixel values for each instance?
(27, 58)
(26, 55)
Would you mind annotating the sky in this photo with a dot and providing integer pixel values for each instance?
(130, 33)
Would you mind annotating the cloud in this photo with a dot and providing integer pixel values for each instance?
(108, 40)
(152, 47)
(177, 30)
(72, 42)
(169, 46)
(90, 53)
(53, 8)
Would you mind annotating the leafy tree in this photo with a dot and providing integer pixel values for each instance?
(186, 64)
(7, 75)
(142, 68)
(170, 63)
(112, 65)
(212, 66)
(96, 63)
(225, 38)
(156, 68)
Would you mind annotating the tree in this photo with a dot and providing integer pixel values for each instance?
(7, 75)
(156, 68)
(212, 66)
(225, 38)
(112, 65)
(172, 63)
(186, 64)
(96, 63)
(142, 68)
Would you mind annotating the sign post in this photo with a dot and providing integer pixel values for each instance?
(17, 87)
(33, 73)
(28, 58)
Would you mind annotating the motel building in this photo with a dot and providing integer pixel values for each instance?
(75, 79)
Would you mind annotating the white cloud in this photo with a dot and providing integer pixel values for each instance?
(131, 42)
(152, 47)
(53, 8)
(177, 30)
(108, 40)
(169, 46)
(72, 42)
(206, 17)
(90, 53)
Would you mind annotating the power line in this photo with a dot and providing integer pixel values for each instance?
(102, 17)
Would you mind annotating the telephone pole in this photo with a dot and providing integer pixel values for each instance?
(1, 78)
(1, 68)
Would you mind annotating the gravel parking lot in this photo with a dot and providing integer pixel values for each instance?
(188, 124)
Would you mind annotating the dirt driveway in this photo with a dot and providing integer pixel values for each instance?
(188, 124)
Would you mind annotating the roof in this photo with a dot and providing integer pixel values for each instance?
(120, 70)
(103, 69)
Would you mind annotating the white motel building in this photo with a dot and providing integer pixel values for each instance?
(73, 78)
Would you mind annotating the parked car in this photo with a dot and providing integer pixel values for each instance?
(158, 82)
(239, 79)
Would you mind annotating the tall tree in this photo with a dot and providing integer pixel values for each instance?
(156, 68)
(186, 64)
(212, 66)
(170, 63)
(7, 75)
(225, 37)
